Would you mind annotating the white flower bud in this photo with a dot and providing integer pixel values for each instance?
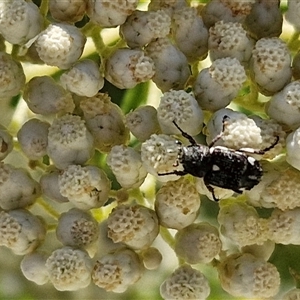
(265, 19)
(50, 187)
(284, 226)
(217, 85)
(159, 154)
(67, 11)
(83, 79)
(245, 276)
(17, 188)
(151, 258)
(12, 78)
(125, 68)
(170, 6)
(117, 271)
(69, 269)
(110, 13)
(142, 27)
(284, 105)
(20, 21)
(86, 187)
(198, 243)
(270, 65)
(181, 107)
(33, 138)
(142, 122)
(185, 283)
(171, 66)
(126, 164)
(105, 120)
(239, 132)
(34, 269)
(226, 10)
(77, 228)
(6, 142)
(230, 40)
(190, 33)
(293, 294)
(177, 203)
(293, 149)
(60, 45)
(264, 250)
(69, 141)
(21, 231)
(44, 96)
(241, 224)
(138, 228)
(293, 13)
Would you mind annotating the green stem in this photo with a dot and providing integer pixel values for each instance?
(167, 237)
(48, 208)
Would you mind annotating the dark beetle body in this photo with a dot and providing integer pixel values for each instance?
(220, 166)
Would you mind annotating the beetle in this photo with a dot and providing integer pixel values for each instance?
(218, 165)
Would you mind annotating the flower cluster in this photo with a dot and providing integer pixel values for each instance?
(92, 95)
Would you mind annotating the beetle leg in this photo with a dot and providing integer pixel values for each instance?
(175, 172)
(260, 151)
(185, 134)
(216, 138)
(211, 189)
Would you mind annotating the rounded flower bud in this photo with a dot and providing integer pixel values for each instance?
(169, 6)
(284, 226)
(33, 138)
(21, 231)
(44, 96)
(117, 271)
(159, 154)
(151, 258)
(142, 122)
(83, 79)
(230, 39)
(198, 243)
(77, 228)
(138, 226)
(142, 27)
(171, 66)
(185, 283)
(263, 250)
(125, 68)
(177, 203)
(181, 107)
(6, 142)
(17, 188)
(217, 85)
(239, 130)
(244, 275)
(265, 19)
(67, 11)
(34, 269)
(293, 149)
(241, 224)
(69, 269)
(86, 187)
(190, 33)
(293, 294)
(270, 65)
(60, 45)
(126, 164)
(105, 120)
(109, 13)
(20, 21)
(284, 105)
(12, 77)
(69, 141)
(50, 187)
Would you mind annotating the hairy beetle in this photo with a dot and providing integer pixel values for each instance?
(220, 166)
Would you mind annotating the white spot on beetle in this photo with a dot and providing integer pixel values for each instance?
(251, 160)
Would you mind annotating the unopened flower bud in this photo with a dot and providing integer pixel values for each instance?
(60, 45)
(86, 187)
(139, 226)
(21, 231)
(151, 258)
(177, 203)
(117, 271)
(293, 149)
(6, 142)
(69, 141)
(69, 269)
(293, 294)
(33, 138)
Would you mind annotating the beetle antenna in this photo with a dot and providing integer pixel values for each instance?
(185, 134)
